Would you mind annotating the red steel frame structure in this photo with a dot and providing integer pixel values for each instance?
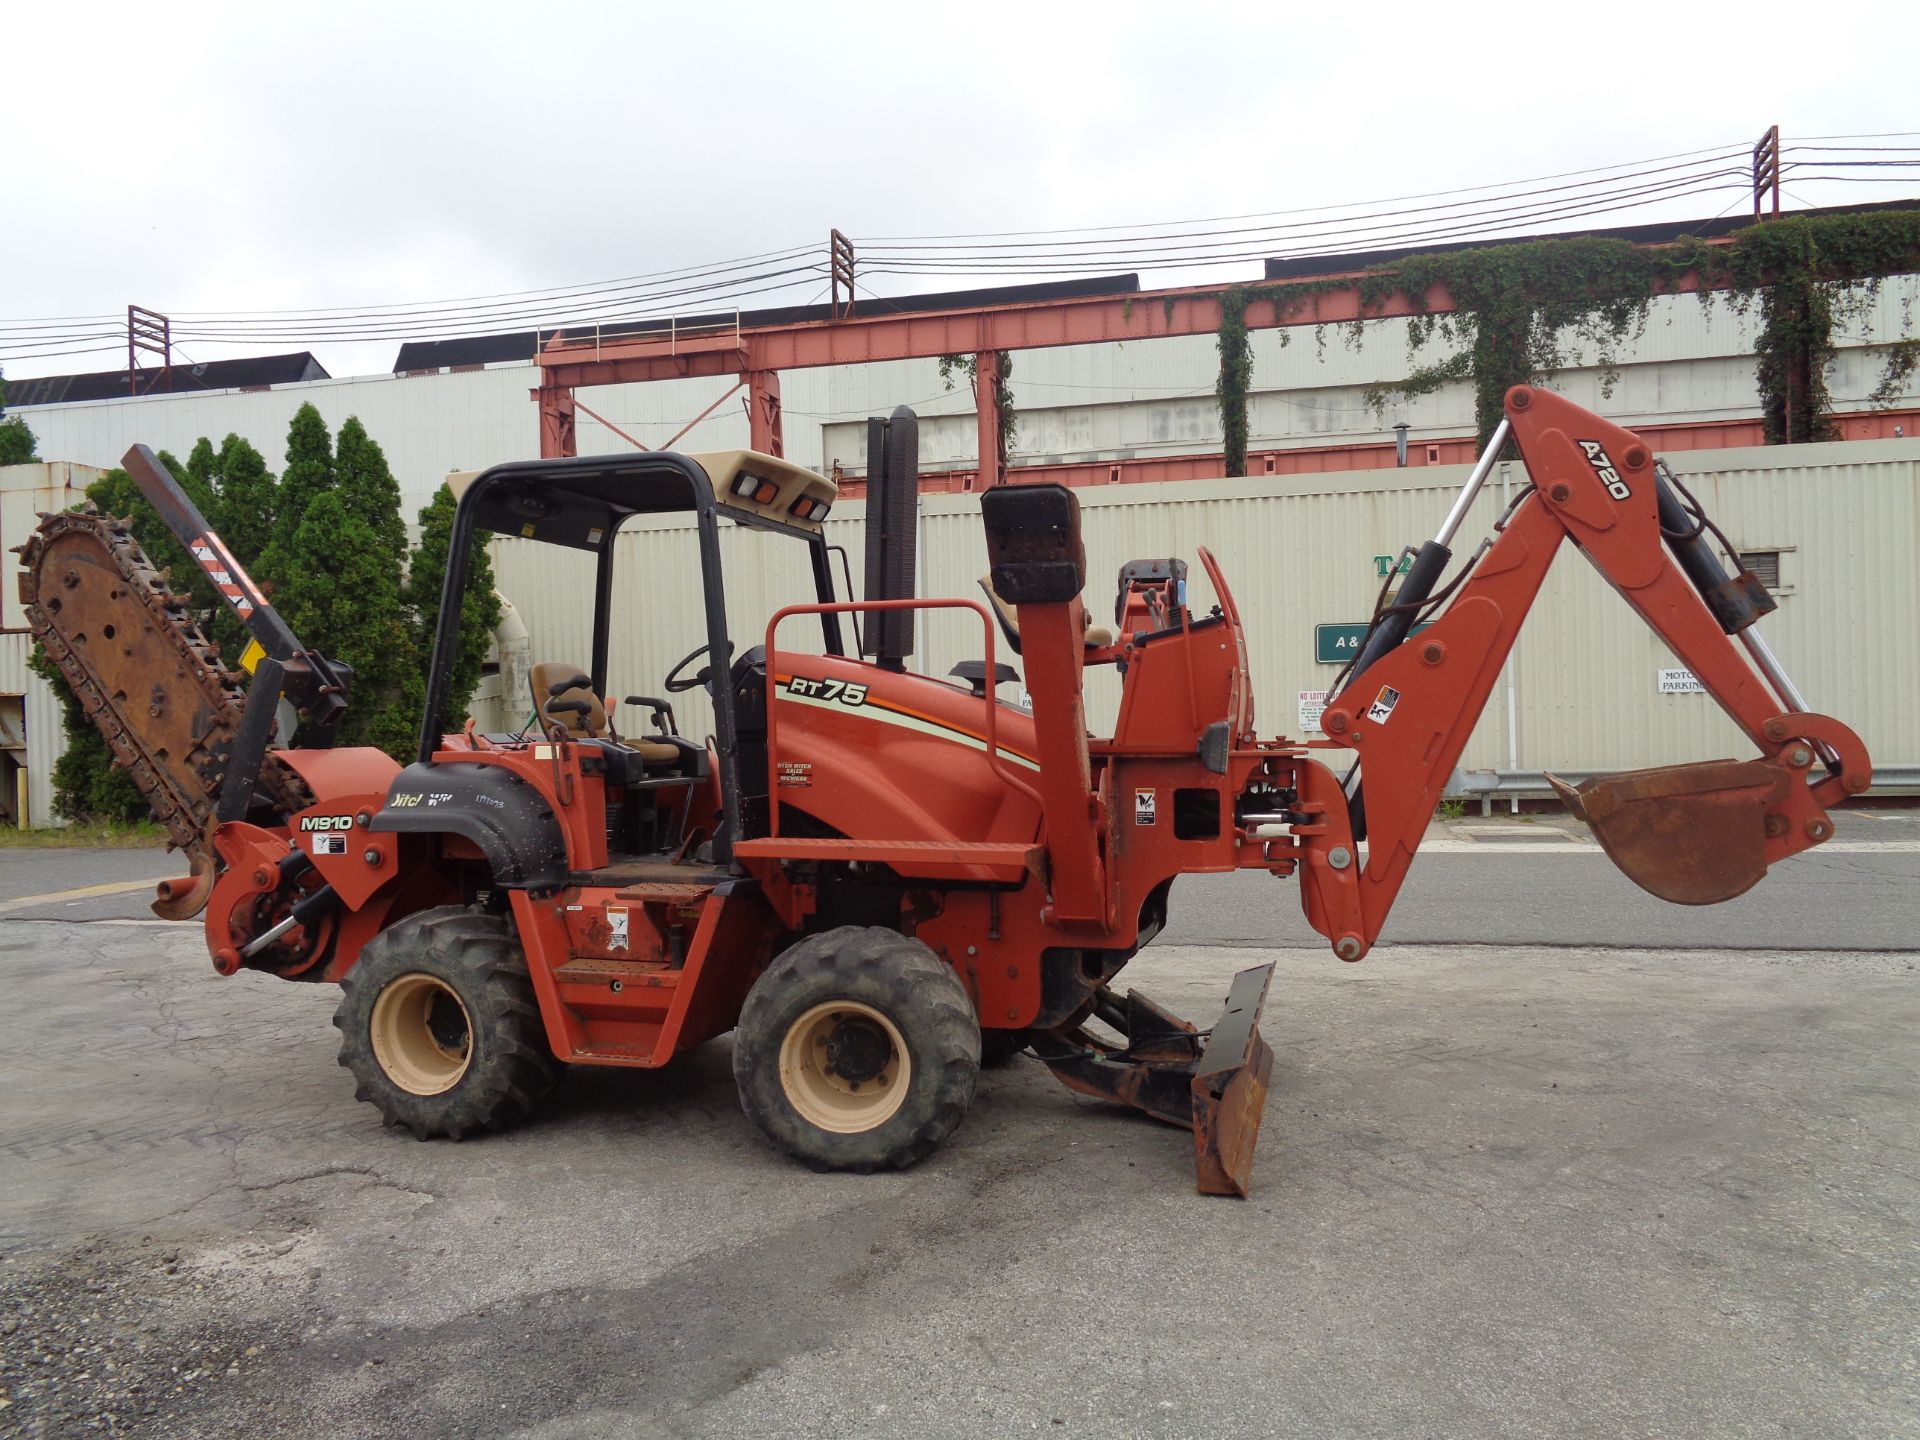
(755, 355)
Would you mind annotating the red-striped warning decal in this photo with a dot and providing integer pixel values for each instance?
(228, 578)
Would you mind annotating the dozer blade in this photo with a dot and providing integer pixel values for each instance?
(1693, 834)
(1213, 1083)
(1230, 1089)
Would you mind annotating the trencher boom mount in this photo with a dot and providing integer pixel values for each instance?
(873, 876)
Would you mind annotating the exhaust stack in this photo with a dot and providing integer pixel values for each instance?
(893, 513)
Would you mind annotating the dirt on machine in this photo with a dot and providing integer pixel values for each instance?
(878, 879)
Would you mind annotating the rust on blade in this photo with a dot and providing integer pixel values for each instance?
(1230, 1089)
(1692, 834)
(1226, 1126)
(1211, 1082)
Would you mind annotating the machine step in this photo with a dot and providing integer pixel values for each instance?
(665, 893)
(937, 859)
(591, 971)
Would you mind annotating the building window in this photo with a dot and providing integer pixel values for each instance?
(1765, 565)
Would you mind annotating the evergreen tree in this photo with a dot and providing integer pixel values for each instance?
(367, 488)
(479, 605)
(243, 513)
(309, 474)
(342, 598)
(329, 546)
(203, 466)
(337, 561)
(87, 785)
(16, 440)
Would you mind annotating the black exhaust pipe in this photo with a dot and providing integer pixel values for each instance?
(893, 512)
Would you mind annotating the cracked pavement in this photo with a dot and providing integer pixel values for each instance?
(1584, 1190)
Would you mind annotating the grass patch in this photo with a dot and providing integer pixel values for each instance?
(141, 835)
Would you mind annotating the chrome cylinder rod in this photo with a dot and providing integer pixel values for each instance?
(266, 938)
(1482, 468)
(1770, 667)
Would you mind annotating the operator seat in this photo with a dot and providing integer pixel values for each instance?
(563, 699)
(1096, 637)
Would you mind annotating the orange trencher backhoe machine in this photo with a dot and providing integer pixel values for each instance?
(874, 877)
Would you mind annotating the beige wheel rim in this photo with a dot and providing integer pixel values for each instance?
(422, 1034)
(845, 1067)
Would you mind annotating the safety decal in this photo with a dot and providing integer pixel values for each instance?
(329, 844)
(1383, 704)
(225, 572)
(617, 923)
(836, 694)
(1145, 807)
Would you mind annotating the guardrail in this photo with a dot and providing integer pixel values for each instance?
(995, 761)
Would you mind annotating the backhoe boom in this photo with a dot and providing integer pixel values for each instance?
(1694, 834)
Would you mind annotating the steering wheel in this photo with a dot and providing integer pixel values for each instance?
(675, 685)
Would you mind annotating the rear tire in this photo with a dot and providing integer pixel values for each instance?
(439, 1025)
(857, 1050)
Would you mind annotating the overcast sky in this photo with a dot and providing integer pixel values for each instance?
(195, 157)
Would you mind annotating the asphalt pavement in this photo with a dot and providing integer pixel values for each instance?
(1537, 1167)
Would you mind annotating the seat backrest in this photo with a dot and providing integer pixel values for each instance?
(1094, 637)
(563, 695)
(1002, 612)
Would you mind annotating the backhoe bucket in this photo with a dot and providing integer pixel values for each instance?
(1212, 1082)
(1692, 834)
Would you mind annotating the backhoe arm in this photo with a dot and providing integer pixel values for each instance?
(1694, 834)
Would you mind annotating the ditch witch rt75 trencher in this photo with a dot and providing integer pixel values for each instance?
(874, 877)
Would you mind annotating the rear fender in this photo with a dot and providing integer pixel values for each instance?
(505, 816)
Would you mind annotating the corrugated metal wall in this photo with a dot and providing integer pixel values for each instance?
(25, 491)
(1300, 551)
(1115, 401)
(45, 739)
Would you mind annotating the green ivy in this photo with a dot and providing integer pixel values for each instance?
(1235, 344)
(967, 365)
(1518, 307)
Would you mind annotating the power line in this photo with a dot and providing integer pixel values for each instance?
(1729, 149)
(1480, 211)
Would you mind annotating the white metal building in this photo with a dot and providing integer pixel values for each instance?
(1114, 401)
(30, 735)
(1585, 690)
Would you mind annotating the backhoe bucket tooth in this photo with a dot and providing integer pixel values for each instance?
(1230, 1089)
(1692, 834)
(1213, 1083)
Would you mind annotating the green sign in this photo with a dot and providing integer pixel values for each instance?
(1337, 644)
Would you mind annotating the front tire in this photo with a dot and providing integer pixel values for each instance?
(857, 1050)
(439, 1025)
